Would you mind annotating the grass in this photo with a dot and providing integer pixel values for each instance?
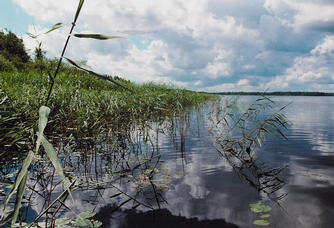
(84, 105)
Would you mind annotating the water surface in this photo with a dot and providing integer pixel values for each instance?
(196, 187)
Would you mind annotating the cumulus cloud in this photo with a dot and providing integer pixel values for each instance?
(203, 45)
(304, 13)
(313, 71)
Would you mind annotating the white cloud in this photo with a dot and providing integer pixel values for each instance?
(195, 44)
(314, 69)
(303, 13)
(243, 82)
(217, 69)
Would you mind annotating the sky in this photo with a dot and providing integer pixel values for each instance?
(202, 45)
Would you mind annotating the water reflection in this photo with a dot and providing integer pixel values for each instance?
(170, 172)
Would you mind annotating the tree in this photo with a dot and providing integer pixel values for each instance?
(39, 53)
(12, 48)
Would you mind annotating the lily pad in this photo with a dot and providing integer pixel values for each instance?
(86, 214)
(265, 216)
(266, 208)
(81, 222)
(86, 222)
(62, 222)
(259, 207)
(261, 222)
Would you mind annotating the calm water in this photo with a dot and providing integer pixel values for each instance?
(199, 188)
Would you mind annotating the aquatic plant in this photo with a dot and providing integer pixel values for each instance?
(257, 208)
(240, 132)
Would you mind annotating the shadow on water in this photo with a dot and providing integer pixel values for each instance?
(158, 218)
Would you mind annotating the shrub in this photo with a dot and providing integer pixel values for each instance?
(6, 65)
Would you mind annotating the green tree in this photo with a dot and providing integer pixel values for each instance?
(12, 48)
(39, 53)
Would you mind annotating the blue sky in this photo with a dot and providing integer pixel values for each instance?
(14, 18)
(210, 45)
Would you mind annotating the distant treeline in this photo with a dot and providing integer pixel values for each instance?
(289, 93)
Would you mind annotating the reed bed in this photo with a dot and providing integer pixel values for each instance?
(84, 105)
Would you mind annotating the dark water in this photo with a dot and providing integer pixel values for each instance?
(196, 187)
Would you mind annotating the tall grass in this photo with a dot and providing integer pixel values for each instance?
(91, 105)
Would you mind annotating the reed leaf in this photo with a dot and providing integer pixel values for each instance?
(78, 10)
(42, 121)
(77, 65)
(19, 196)
(96, 36)
(52, 154)
(32, 35)
(55, 27)
(20, 177)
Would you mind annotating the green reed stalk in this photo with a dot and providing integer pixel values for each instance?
(63, 52)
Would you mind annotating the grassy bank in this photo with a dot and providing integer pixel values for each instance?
(83, 105)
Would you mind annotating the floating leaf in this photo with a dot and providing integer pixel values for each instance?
(56, 26)
(96, 36)
(62, 223)
(259, 207)
(86, 222)
(256, 207)
(261, 222)
(77, 65)
(265, 216)
(96, 224)
(86, 214)
(266, 208)
(82, 222)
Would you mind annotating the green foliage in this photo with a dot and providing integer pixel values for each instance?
(12, 48)
(261, 222)
(6, 65)
(56, 26)
(39, 53)
(82, 220)
(89, 104)
(259, 207)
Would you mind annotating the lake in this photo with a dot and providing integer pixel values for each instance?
(176, 173)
